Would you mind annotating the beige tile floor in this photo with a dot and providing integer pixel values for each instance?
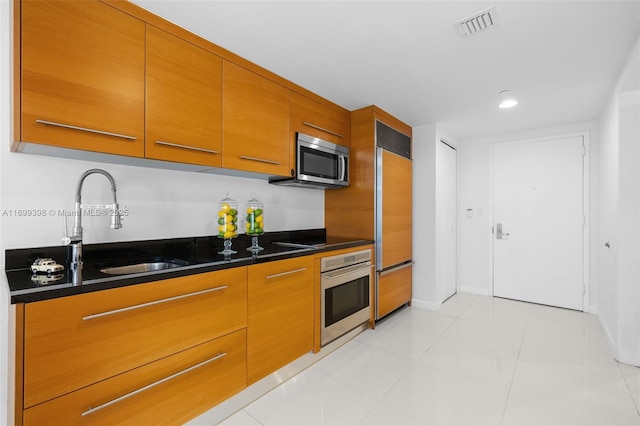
(478, 360)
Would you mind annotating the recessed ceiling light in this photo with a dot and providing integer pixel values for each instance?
(506, 100)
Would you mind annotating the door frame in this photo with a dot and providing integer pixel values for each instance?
(586, 203)
(441, 296)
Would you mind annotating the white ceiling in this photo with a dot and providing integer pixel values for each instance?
(559, 58)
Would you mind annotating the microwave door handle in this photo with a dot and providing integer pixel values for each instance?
(343, 163)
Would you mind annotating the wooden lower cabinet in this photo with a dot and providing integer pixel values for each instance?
(280, 314)
(171, 390)
(394, 289)
(76, 341)
(161, 352)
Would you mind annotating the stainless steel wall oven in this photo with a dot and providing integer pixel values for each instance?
(345, 300)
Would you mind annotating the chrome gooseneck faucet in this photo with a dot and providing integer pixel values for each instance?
(75, 240)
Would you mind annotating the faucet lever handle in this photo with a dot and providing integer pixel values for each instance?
(116, 217)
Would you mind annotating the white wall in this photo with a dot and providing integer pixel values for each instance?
(161, 204)
(608, 196)
(424, 217)
(619, 224)
(426, 289)
(6, 312)
(474, 186)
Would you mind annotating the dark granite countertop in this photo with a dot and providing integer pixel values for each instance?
(199, 253)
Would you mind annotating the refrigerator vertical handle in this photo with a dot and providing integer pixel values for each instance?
(378, 211)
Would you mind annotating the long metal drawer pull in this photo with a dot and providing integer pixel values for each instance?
(85, 129)
(262, 160)
(193, 148)
(155, 302)
(286, 273)
(322, 129)
(154, 384)
(407, 265)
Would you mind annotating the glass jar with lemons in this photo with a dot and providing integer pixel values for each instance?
(227, 223)
(255, 222)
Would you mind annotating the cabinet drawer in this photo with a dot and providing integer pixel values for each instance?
(280, 314)
(169, 391)
(394, 290)
(75, 341)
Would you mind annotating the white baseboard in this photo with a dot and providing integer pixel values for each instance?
(591, 310)
(423, 304)
(475, 290)
(609, 337)
(434, 306)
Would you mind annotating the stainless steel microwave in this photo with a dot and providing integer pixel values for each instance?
(319, 164)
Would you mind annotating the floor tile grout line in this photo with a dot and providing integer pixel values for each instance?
(254, 418)
(515, 368)
(626, 384)
(509, 405)
(414, 363)
(380, 400)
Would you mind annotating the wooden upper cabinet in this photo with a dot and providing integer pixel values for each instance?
(255, 122)
(184, 101)
(82, 77)
(316, 119)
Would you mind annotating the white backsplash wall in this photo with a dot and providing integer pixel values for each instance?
(158, 203)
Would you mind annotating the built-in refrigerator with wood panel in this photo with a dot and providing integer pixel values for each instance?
(393, 219)
(377, 204)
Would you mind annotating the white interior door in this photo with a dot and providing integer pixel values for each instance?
(446, 220)
(538, 221)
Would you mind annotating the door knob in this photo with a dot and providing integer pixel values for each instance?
(499, 234)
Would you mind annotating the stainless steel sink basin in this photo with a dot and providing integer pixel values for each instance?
(134, 268)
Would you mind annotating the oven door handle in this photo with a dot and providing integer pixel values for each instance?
(330, 276)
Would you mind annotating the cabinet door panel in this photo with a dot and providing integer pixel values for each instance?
(184, 101)
(171, 391)
(82, 66)
(394, 290)
(280, 314)
(255, 122)
(315, 119)
(70, 344)
(396, 209)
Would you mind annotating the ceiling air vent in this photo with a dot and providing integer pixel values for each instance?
(477, 22)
